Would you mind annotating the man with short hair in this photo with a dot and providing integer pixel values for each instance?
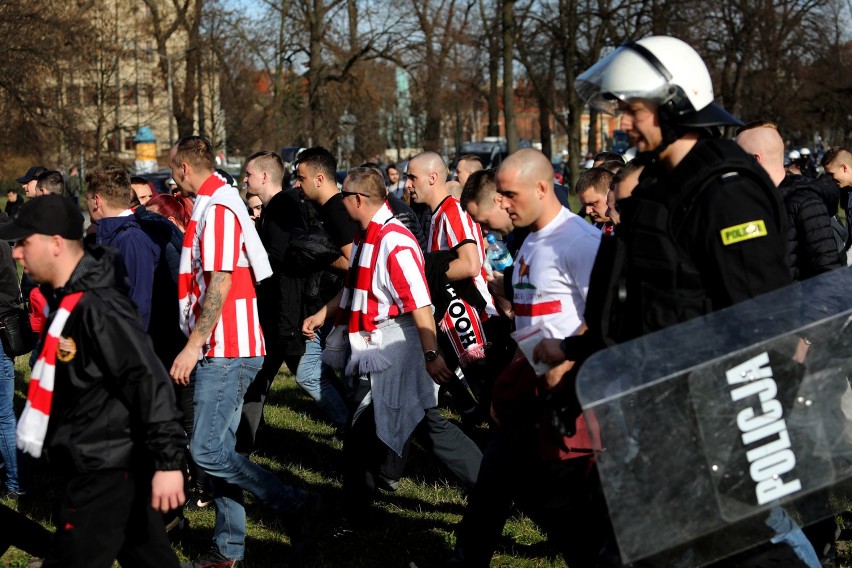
(221, 259)
(142, 189)
(395, 185)
(384, 337)
(453, 230)
(13, 203)
(281, 299)
(100, 406)
(592, 188)
(524, 462)
(108, 195)
(810, 238)
(466, 165)
(50, 182)
(28, 180)
(315, 178)
(838, 164)
(702, 214)
(482, 202)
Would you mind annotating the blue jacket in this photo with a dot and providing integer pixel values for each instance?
(140, 256)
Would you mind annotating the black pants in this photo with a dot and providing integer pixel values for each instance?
(107, 515)
(255, 397)
(22, 533)
(365, 456)
(562, 497)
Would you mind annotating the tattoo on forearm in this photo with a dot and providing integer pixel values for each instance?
(214, 299)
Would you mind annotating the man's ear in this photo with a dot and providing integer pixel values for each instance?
(540, 189)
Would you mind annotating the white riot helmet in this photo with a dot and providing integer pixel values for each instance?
(794, 155)
(805, 152)
(662, 69)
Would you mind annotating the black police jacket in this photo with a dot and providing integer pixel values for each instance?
(708, 234)
(113, 401)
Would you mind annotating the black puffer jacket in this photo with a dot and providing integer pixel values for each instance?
(810, 238)
(113, 403)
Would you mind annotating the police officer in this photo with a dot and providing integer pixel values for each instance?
(703, 230)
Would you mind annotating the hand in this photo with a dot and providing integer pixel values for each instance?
(184, 364)
(439, 371)
(549, 351)
(553, 378)
(801, 350)
(311, 324)
(167, 490)
(505, 306)
(496, 285)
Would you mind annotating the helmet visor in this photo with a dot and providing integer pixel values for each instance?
(622, 75)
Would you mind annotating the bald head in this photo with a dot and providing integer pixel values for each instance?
(767, 147)
(431, 162)
(525, 183)
(531, 165)
(426, 179)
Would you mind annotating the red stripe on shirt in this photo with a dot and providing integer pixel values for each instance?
(539, 309)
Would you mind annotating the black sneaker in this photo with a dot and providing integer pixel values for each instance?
(211, 559)
(387, 484)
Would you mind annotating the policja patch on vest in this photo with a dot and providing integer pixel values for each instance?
(744, 232)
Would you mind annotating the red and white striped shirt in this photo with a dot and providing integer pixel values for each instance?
(221, 248)
(398, 281)
(451, 227)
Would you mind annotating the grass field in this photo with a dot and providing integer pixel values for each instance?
(410, 528)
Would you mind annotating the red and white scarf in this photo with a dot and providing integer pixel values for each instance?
(32, 427)
(215, 191)
(355, 317)
(464, 329)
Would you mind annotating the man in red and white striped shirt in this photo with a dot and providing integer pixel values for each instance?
(452, 229)
(222, 257)
(385, 320)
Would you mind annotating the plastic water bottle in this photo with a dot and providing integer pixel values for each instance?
(497, 253)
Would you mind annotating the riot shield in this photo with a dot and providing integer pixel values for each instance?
(717, 432)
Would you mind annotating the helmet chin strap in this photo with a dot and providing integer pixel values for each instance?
(671, 131)
(670, 134)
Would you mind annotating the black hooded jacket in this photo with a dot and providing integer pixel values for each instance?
(113, 402)
(810, 204)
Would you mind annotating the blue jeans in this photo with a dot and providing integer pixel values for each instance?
(317, 379)
(787, 531)
(8, 449)
(220, 384)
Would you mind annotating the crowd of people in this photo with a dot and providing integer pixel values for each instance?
(163, 326)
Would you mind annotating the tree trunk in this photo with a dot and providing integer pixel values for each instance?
(493, 85)
(594, 147)
(544, 126)
(508, 74)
